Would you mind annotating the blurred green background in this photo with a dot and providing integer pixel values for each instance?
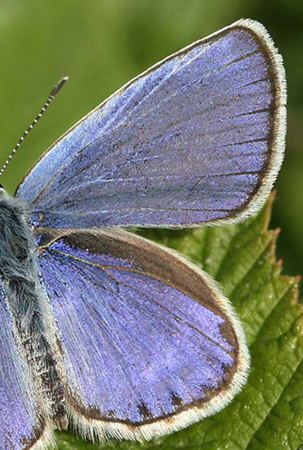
(101, 44)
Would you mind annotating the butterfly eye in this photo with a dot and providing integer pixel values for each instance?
(2, 192)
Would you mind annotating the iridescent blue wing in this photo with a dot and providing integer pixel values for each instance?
(149, 344)
(197, 138)
(22, 425)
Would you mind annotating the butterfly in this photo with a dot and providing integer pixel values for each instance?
(101, 329)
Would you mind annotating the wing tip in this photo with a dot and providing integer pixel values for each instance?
(279, 124)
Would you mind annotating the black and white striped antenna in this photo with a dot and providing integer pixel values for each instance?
(50, 98)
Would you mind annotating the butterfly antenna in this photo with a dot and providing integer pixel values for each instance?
(50, 98)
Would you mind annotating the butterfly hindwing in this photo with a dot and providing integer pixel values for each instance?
(148, 342)
(197, 138)
(22, 424)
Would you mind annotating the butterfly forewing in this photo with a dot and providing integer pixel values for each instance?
(197, 138)
(149, 345)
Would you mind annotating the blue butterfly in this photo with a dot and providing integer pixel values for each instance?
(104, 330)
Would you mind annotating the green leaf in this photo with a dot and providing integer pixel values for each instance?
(268, 413)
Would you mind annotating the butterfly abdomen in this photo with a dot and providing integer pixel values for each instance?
(19, 276)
